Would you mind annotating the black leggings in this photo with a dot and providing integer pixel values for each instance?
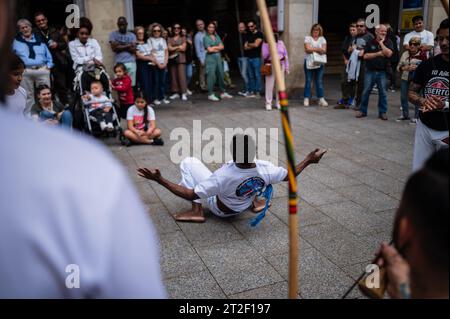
(102, 116)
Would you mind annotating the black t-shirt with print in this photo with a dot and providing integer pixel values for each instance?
(432, 76)
(379, 63)
(251, 38)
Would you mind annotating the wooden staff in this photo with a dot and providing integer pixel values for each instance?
(289, 142)
(445, 5)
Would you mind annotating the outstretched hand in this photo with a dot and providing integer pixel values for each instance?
(153, 175)
(315, 156)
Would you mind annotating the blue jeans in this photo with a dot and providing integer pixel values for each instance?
(405, 102)
(243, 68)
(159, 81)
(189, 72)
(370, 79)
(254, 75)
(66, 118)
(145, 80)
(309, 74)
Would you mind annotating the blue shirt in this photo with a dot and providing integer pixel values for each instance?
(43, 55)
(123, 39)
(199, 47)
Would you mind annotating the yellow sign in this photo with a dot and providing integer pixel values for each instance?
(407, 16)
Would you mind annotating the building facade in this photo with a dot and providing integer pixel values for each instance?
(294, 19)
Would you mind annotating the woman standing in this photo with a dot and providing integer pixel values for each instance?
(314, 44)
(408, 64)
(145, 60)
(214, 66)
(270, 79)
(189, 57)
(177, 63)
(158, 47)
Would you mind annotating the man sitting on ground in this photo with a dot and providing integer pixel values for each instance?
(233, 188)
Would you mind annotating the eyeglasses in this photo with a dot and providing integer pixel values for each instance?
(360, 26)
(415, 44)
(157, 30)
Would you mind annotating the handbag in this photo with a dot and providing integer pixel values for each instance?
(266, 69)
(319, 58)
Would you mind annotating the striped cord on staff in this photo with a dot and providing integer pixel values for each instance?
(289, 141)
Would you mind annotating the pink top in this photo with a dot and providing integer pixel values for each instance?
(282, 52)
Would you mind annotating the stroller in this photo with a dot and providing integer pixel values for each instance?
(83, 120)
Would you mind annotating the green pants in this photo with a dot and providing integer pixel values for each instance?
(214, 72)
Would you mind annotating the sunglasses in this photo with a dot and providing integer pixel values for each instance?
(157, 30)
(360, 26)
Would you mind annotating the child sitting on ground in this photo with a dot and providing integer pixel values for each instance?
(123, 85)
(100, 106)
(142, 124)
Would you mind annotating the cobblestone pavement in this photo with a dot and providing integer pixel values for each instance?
(346, 209)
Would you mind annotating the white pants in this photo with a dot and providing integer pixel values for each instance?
(31, 80)
(193, 172)
(270, 84)
(427, 143)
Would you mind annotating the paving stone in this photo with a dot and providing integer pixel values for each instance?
(199, 285)
(237, 267)
(355, 218)
(370, 198)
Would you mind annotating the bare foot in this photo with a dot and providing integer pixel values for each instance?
(190, 217)
(259, 205)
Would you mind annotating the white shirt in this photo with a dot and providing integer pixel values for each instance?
(144, 49)
(96, 102)
(425, 36)
(315, 44)
(158, 47)
(17, 103)
(235, 186)
(81, 209)
(137, 116)
(85, 53)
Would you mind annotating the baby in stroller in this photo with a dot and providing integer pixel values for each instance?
(99, 107)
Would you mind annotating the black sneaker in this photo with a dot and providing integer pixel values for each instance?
(125, 141)
(158, 142)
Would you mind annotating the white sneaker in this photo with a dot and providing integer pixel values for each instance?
(157, 102)
(213, 98)
(278, 106)
(110, 127)
(268, 106)
(188, 92)
(225, 95)
(174, 96)
(184, 97)
(306, 102)
(323, 102)
(166, 101)
(250, 95)
(103, 126)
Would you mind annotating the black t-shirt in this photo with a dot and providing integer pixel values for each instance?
(379, 63)
(348, 42)
(432, 76)
(251, 38)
